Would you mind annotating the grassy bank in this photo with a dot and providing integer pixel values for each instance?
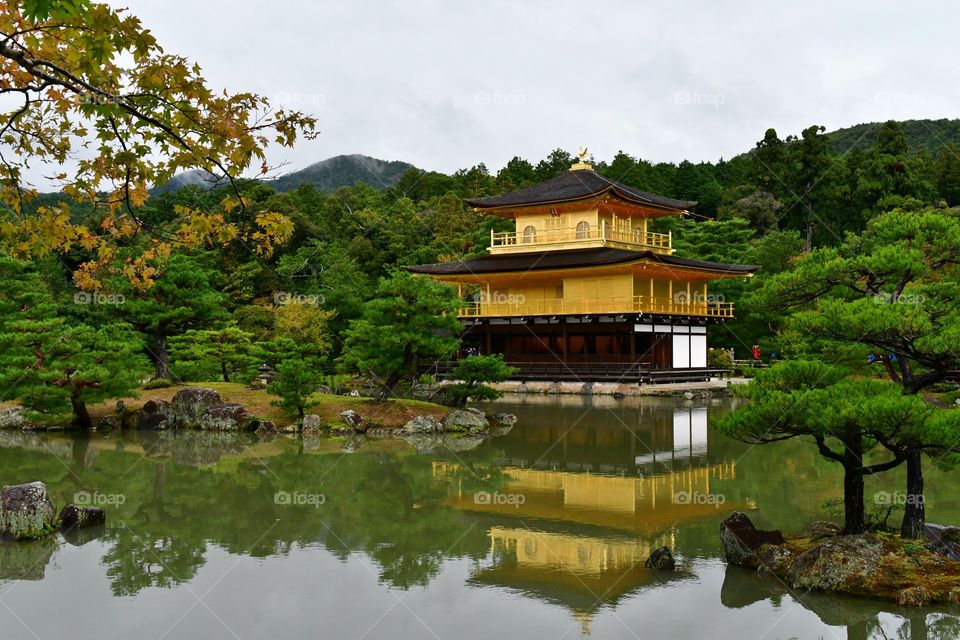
(389, 414)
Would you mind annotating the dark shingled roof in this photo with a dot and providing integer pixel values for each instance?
(576, 185)
(569, 259)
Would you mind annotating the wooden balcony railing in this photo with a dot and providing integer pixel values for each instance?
(609, 305)
(662, 242)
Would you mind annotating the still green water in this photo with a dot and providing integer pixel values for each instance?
(541, 533)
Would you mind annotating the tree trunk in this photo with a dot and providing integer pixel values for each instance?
(81, 417)
(809, 240)
(387, 389)
(223, 371)
(914, 513)
(160, 358)
(854, 520)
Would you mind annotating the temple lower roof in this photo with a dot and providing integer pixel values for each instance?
(576, 185)
(572, 259)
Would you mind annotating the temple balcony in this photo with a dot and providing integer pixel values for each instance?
(581, 237)
(608, 305)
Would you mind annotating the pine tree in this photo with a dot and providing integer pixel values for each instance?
(409, 320)
(56, 369)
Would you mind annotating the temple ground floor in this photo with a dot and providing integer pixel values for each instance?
(599, 348)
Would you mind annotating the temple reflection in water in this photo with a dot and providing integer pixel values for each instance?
(587, 499)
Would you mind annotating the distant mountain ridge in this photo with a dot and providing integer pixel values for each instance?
(347, 170)
(926, 135)
(327, 175)
(344, 171)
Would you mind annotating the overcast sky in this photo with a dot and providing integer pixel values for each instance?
(447, 85)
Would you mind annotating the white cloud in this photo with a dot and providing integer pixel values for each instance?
(446, 85)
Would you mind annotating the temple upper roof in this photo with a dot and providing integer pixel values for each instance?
(577, 185)
(575, 258)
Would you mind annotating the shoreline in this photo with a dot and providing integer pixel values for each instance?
(713, 387)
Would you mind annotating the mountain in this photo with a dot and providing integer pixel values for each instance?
(344, 171)
(197, 177)
(326, 175)
(929, 135)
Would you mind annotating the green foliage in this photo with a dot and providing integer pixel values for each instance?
(472, 372)
(298, 379)
(205, 354)
(183, 297)
(51, 367)
(411, 319)
(719, 359)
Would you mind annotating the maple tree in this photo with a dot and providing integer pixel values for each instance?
(109, 113)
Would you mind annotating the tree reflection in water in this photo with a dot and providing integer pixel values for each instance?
(598, 494)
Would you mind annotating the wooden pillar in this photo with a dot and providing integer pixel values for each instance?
(563, 324)
(489, 341)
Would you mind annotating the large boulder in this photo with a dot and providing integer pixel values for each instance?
(502, 420)
(422, 424)
(26, 512)
(741, 539)
(353, 420)
(74, 517)
(228, 416)
(841, 562)
(465, 420)
(190, 404)
(661, 559)
(311, 423)
(153, 415)
(943, 540)
(12, 418)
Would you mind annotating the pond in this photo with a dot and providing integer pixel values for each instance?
(541, 533)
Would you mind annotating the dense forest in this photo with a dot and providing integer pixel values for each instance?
(219, 310)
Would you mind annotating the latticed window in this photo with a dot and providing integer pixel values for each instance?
(583, 230)
(530, 234)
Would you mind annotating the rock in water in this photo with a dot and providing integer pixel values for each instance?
(228, 416)
(74, 517)
(153, 415)
(423, 424)
(26, 512)
(12, 418)
(190, 403)
(502, 419)
(465, 420)
(311, 423)
(741, 539)
(353, 420)
(661, 559)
